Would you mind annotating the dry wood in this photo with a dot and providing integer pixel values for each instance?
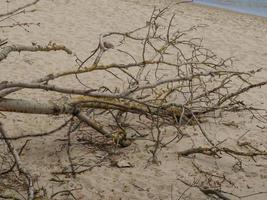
(174, 82)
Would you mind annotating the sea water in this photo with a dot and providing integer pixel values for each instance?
(255, 7)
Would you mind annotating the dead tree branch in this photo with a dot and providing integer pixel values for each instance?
(173, 82)
(18, 48)
(19, 9)
(214, 151)
(18, 162)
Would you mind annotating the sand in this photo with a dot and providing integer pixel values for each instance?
(77, 24)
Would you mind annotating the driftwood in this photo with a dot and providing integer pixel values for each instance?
(173, 82)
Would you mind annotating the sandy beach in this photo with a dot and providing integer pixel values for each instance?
(77, 25)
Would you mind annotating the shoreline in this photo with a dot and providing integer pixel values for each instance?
(229, 8)
(224, 9)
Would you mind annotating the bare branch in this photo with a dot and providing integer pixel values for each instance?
(18, 163)
(18, 9)
(50, 47)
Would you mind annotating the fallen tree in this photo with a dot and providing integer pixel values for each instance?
(173, 82)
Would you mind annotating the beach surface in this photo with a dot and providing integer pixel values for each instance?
(77, 24)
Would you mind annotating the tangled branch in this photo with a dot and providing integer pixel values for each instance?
(172, 81)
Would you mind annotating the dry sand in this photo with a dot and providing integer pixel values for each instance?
(77, 24)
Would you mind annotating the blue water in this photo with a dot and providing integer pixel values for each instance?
(255, 7)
